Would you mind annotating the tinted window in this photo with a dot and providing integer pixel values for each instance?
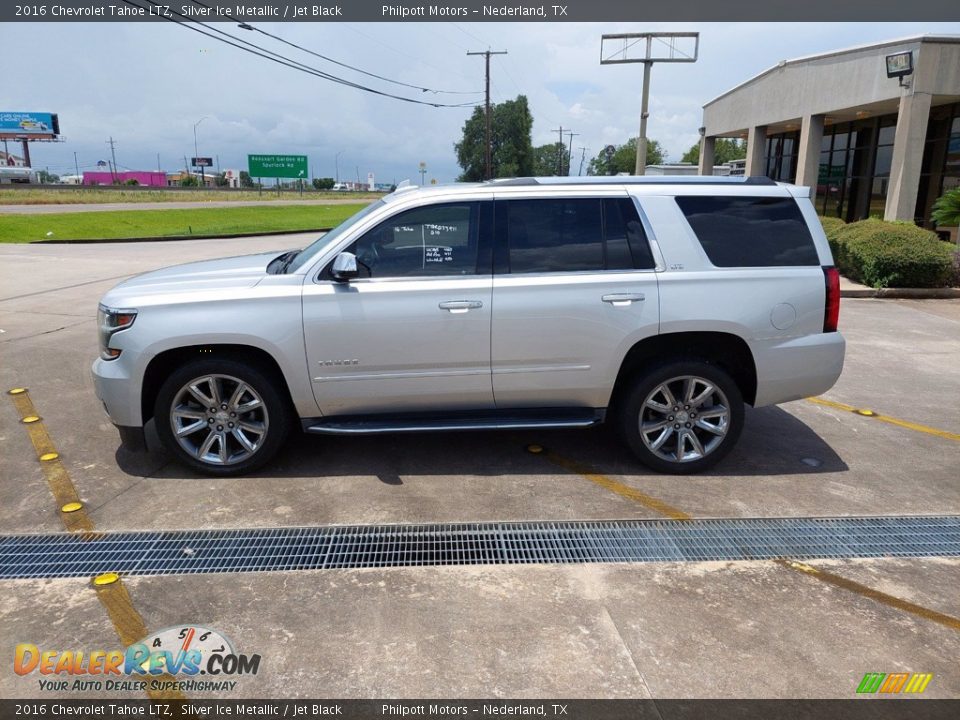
(574, 234)
(626, 241)
(555, 235)
(750, 231)
(435, 240)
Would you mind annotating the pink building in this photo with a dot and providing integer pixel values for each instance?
(152, 179)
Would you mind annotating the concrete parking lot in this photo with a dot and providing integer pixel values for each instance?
(663, 630)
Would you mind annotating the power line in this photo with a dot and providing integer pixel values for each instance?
(248, 26)
(283, 60)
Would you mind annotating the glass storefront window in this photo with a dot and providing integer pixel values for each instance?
(884, 160)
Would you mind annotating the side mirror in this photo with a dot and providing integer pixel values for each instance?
(344, 267)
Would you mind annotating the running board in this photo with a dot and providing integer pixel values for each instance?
(517, 420)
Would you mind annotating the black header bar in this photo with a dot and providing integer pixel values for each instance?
(476, 11)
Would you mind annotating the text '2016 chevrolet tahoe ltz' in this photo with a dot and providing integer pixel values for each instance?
(660, 305)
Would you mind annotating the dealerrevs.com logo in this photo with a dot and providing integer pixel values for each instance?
(894, 683)
(152, 664)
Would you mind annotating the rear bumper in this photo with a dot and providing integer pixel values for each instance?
(797, 368)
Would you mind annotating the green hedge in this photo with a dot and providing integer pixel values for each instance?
(892, 254)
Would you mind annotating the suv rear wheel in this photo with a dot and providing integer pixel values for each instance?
(682, 417)
(221, 416)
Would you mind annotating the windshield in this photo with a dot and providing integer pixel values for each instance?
(312, 250)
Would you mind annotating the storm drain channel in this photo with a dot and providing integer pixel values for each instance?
(370, 546)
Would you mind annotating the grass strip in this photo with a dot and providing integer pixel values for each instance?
(203, 222)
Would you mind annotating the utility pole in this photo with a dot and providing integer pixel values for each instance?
(672, 47)
(570, 153)
(560, 151)
(113, 154)
(583, 156)
(76, 164)
(158, 163)
(487, 159)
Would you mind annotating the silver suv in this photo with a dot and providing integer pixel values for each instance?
(659, 305)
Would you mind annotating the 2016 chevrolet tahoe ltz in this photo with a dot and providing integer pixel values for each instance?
(661, 305)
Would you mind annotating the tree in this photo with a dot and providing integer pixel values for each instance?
(548, 159)
(323, 183)
(723, 151)
(48, 177)
(624, 158)
(189, 181)
(220, 180)
(511, 146)
(245, 180)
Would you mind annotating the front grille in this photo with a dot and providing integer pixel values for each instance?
(370, 546)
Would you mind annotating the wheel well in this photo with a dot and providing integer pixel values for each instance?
(168, 361)
(723, 349)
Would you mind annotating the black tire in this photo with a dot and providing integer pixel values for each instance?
(634, 411)
(272, 416)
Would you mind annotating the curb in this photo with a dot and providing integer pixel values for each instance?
(902, 293)
(172, 238)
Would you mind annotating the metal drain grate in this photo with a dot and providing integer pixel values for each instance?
(366, 546)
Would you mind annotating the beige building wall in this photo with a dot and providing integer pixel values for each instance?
(809, 93)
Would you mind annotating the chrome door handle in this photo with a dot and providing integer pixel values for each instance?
(460, 306)
(622, 299)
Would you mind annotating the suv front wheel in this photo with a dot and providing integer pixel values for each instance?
(221, 416)
(683, 417)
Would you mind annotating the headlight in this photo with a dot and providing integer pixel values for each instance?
(110, 321)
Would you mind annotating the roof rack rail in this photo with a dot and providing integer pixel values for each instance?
(637, 180)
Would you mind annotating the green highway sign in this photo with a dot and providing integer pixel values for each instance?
(277, 166)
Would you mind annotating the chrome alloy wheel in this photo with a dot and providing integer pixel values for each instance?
(684, 419)
(219, 419)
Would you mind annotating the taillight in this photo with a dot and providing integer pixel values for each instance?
(831, 308)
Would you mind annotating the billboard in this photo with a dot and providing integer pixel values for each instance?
(29, 125)
(277, 166)
(201, 162)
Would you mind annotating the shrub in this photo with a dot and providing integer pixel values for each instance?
(946, 210)
(893, 254)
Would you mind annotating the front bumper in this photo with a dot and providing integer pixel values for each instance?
(116, 389)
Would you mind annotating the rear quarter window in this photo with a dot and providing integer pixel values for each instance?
(738, 231)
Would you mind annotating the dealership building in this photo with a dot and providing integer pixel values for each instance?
(874, 129)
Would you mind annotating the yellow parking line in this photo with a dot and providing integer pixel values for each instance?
(111, 592)
(885, 418)
(53, 468)
(868, 592)
(822, 575)
(617, 487)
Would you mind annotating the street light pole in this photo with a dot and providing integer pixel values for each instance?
(336, 162)
(196, 153)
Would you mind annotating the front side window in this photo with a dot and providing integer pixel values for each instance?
(740, 231)
(573, 234)
(432, 240)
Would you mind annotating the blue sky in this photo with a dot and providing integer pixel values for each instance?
(146, 84)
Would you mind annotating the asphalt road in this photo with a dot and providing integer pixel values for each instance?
(714, 629)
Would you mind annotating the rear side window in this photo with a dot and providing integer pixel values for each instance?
(750, 231)
(572, 234)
